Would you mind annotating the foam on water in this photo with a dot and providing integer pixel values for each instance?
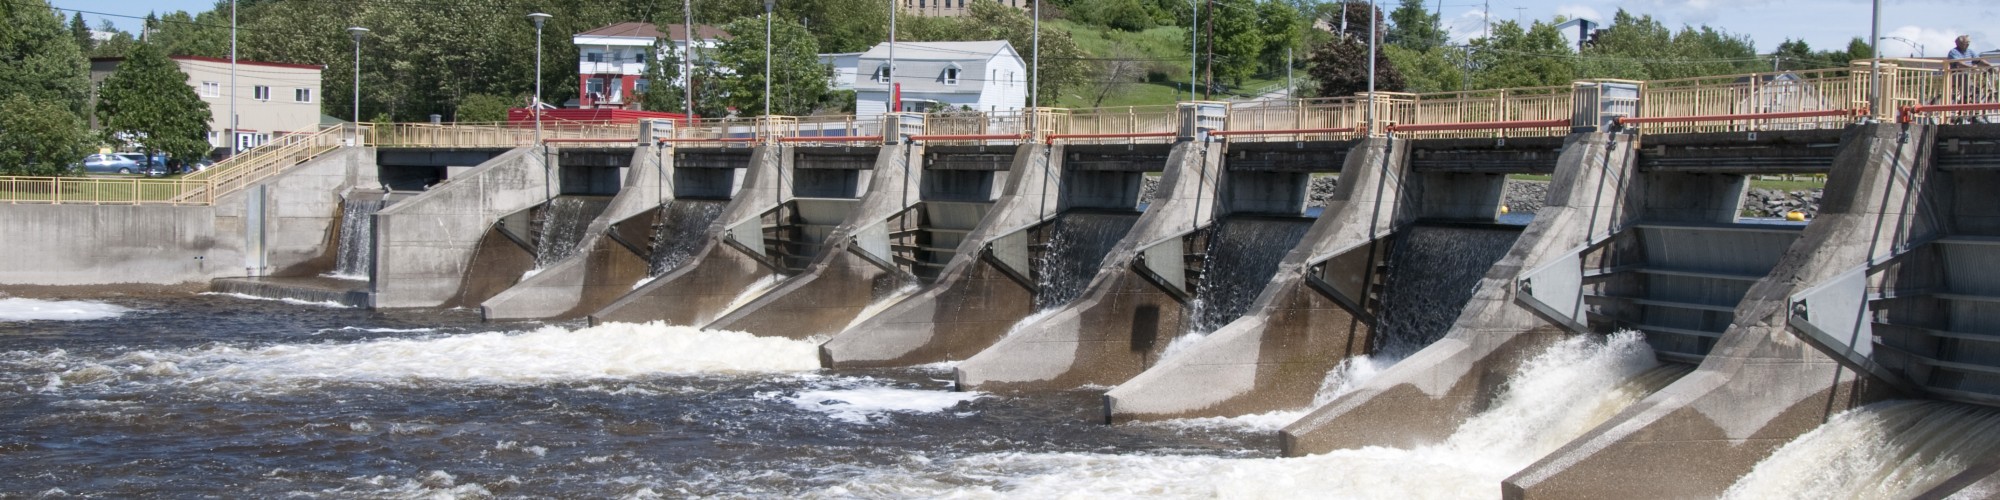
(296, 302)
(1343, 379)
(1893, 449)
(546, 355)
(17, 309)
(1560, 394)
(866, 405)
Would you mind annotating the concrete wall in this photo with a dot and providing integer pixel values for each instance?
(424, 245)
(107, 244)
(1763, 385)
(1122, 322)
(695, 293)
(564, 289)
(972, 303)
(1423, 398)
(840, 282)
(1275, 356)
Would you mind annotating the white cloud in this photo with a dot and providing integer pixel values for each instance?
(1935, 41)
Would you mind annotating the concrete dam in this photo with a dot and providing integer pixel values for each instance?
(1636, 335)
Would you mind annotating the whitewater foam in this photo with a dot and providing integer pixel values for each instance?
(1343, 379)
(871, 404)
(1559, 394)
(17, 309)
(545, 355)
(1893, 449)
(328, 304)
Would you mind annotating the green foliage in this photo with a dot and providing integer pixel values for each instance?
(1415, 27)
(663, 89)
(148, 101)
(841, 25)
(184, 34)
(485, 108)
(40, 137)
(81, 32)
(1341, 68)
(39, 57)
(1640, 48)
(1515, 57)
(1439, 69)
(1123, 15)
(797, 77)
(1283, 28)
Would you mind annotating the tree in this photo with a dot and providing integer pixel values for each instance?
(81, 32)
(1119, 69)
(1436, 70)
(148, 101)
(118, 45)
(1236, 42)
(183, 34)
(1283, 28)
(484, 108)
(39, 58)
(40, 137)
(797, 77)
(664, 91)
(1537, 56)
(1415, 27)
(1340, 66)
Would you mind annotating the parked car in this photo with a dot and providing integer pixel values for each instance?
(109, 164)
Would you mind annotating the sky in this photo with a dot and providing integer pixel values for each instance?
(1823, 24)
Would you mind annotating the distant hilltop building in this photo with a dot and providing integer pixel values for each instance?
(953, 8)
(611, 61)
(986, 76)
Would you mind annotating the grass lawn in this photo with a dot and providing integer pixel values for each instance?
(1165, 50)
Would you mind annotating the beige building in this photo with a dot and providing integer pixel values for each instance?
(272, 99)
(954, 8)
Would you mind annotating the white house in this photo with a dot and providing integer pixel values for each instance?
(611, 60)
(985, 75)
(844, 66)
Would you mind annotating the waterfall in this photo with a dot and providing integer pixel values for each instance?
(559, 227)
(678, 233)
(1432, 273)
(356, 250)
(1078, 246)
(1892, 449)
(1242, 255)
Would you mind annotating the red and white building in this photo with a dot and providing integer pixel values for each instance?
(611, 61)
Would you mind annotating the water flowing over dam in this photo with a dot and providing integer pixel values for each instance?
(1242, 254)
(1432, 273)
(357, 237)
(678, 234)
(1077, 245)
(560, 225)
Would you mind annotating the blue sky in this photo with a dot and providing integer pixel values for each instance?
(1823, 24)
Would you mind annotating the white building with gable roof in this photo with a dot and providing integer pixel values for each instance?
(986, 76)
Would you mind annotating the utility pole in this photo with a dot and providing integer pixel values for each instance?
(1291, 87)
(1486, 18)
(1875, 61)
(1371, 65)
(687, 56)
(1208, 91)
(1194, 48)
(895, 98)
(1035, 77)
(233, 142)
(769, 6)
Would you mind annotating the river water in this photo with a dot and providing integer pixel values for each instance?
(214, 395)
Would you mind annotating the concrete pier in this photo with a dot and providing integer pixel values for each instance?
(1764, 383)
(280, 226)
(1124, 320)
(973, 301)
(603, 270)
(854, 264)
(1276, 354)
(1423, 398)
(732, 259)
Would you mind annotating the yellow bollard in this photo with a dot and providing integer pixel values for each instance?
(1795, 216)
(1503, 209)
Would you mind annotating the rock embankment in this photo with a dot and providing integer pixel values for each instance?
(1759, 202)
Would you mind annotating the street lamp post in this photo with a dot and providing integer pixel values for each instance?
(357, 32)
(768, 6)
(539, 19)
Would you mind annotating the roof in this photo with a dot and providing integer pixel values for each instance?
(242, 62)
(940, 51)
(648, 30)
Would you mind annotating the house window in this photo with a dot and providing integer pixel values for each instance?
(593, 57)
(593, 86)
(882, 73)
(208, 89)
(641, 86)
(639, 57)
(302, 95)
(261, 93)
(951, 75)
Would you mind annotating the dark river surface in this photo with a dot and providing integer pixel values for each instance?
(208, 395)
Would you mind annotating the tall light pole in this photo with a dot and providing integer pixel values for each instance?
(1035, 78)
(1194, 47)
(357, 32)
(687, 57)
(232, 80)
(539, 19)
(895, 98)
(769, 5)
(1371, 66)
